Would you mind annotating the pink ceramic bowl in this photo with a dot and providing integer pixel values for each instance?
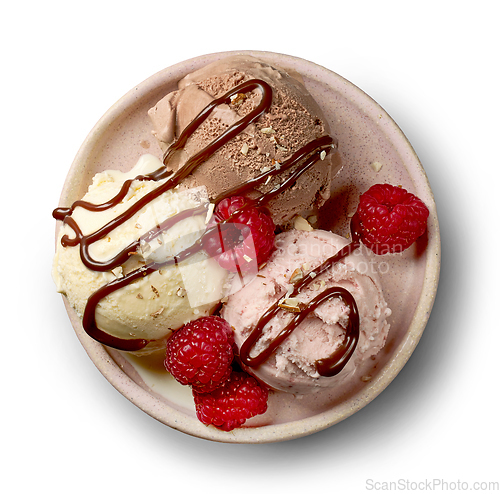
(368, 138)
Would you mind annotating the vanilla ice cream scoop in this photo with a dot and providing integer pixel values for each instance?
(165, 298)
(292, 367)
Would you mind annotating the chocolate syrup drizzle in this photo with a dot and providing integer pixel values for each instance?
(305, 158)
(332, 365)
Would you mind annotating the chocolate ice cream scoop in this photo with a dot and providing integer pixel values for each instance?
(292, 121)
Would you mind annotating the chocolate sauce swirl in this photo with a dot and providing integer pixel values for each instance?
(310, 153)
(85, 241)
(332, 365)
(304, 159)
(326, 367)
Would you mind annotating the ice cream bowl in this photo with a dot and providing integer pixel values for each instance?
(372, 149)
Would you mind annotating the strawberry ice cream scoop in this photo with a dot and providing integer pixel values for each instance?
(292, 367)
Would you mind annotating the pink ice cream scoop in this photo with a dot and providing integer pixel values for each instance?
(292, 367)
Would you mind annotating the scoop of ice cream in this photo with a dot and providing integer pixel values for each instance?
(293, 120)
(152, 306)
(292, 367)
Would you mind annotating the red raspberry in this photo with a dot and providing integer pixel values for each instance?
(246, 240)
(391, 218)
(200, 353)
(229, 406)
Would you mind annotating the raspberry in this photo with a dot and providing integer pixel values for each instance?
(391, 218)
(229, 406)
(200, 353)
(244, 241)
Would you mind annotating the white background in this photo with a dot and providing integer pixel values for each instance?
(433, 66)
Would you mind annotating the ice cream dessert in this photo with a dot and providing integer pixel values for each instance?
(242, 142)
(294, 365)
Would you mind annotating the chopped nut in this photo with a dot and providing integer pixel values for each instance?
(139, 296)
(155, 291)
(297, 275)
(138, 226)
(181, 292)
(210, 212)
(267, 130)
(158, 312)
(376, 165)
(301, 223)
(244, 149)
(322, 155)
(290, 304)
(313, 219)
(236, 99)
(118, 272)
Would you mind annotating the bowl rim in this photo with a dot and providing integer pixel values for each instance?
(299, 428)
